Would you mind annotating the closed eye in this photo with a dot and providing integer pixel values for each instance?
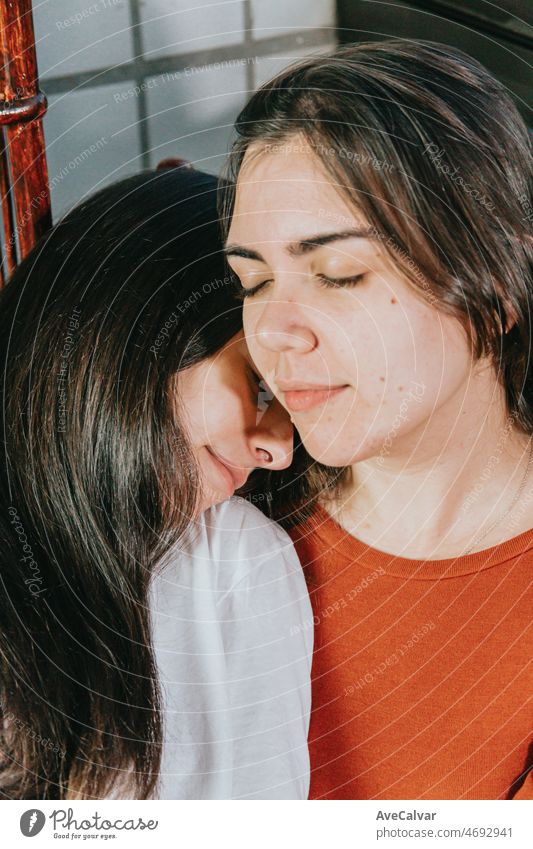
(241, 292)
(337, 282)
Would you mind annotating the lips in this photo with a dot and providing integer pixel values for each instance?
(308, 396)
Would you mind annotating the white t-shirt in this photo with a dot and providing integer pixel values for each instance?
(233, 637)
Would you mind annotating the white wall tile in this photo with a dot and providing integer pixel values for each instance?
(90, 142)
(81, 35)
(184, 26)
(192, 113)
(277, 17)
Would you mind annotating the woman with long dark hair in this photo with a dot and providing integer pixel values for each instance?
(379, 216)
(152, 639)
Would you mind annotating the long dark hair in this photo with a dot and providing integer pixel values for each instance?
(97, 480)
(430, 147)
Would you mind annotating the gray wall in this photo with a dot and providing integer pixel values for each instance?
(130, 82)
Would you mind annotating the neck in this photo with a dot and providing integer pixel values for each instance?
(448, 488)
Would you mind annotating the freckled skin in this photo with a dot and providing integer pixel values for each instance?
(379, 331)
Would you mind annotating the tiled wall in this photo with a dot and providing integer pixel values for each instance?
(131, 82)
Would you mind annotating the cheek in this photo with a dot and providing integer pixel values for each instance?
(428, 359)
(260, 356)
(205, 403)
(249, 321)
(366, 336)
(372, 351)
(190, 392)
(225, 411)
(394, 353)
(396, 344)
(441, 350)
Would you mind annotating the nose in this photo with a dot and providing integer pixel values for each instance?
(270, 438)
(281, 328)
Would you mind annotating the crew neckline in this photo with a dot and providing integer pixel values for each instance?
(352, 548)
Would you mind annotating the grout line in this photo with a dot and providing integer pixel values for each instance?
(141, 68)
(142, 106)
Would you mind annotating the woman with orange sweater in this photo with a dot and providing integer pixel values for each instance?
(380, 229)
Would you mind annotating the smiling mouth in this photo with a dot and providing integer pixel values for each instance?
(301, 400)
(234, 478)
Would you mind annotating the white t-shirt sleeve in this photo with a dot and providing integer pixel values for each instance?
(233, 636)
(267, 633)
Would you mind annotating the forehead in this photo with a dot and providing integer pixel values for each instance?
(287, 186)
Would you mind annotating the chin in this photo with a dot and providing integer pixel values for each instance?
(327, 455)
(334, 453)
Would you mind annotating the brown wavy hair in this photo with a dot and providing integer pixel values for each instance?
(429, 146)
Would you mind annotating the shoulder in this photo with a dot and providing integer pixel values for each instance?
(236, 521)
(230, 543)
(246, 544)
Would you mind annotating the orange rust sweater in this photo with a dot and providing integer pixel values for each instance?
(422, 670)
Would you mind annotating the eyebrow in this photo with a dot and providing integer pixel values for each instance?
(305, 245)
